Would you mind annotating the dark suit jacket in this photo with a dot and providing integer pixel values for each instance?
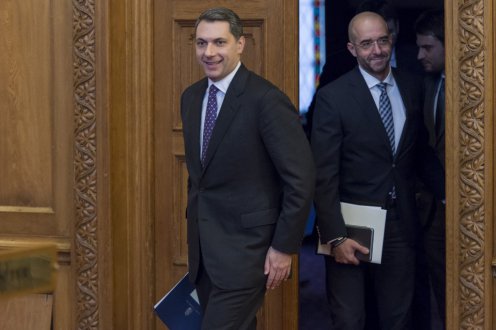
(426, 202)
(436, 141)
(353, 155)
(257, 184)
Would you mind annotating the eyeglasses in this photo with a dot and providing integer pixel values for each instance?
(368, 44)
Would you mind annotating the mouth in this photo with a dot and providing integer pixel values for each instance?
(378, 59)
(212, 63)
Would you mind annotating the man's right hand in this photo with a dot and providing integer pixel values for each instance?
(344, 253)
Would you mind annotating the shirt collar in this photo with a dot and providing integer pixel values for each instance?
(224, 83)
(372, 81)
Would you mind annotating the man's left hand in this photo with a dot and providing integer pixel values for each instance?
(277, 267)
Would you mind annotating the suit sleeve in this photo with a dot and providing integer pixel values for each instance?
(326, 140)
(429, 167)
(288, 147)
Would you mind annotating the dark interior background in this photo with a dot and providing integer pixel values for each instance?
(338, 14)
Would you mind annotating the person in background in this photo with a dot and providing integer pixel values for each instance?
(368, 140)
(251, 178)
(429, 29)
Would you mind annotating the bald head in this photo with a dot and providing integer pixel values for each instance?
(371, 43)
(362, 21)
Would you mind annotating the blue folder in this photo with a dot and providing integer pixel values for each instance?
(180, 308)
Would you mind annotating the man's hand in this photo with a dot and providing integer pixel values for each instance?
(345, 252)
(277, 266)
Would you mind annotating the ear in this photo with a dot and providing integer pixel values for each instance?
(241, 44)
(352, 49)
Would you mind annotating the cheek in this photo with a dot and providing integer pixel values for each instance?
(199, 53)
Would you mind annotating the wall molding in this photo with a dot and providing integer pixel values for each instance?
(85, 174)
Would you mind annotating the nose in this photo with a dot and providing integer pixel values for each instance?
(420, 54)
(210, 50)
(376, 48)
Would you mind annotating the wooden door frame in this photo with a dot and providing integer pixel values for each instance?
(113, 253)
(470, 73)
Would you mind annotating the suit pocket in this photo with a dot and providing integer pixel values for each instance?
(259, 218)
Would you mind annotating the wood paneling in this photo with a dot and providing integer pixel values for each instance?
(31, 312)
(37, 122)
(470, 163)
(37, 137)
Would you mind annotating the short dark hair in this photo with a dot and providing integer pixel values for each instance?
(431, 22)
(225, 15)
(381, 7)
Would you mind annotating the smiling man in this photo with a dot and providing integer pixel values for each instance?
(367, 144)
(251, 178)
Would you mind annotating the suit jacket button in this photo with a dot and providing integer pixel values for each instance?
(394, 165)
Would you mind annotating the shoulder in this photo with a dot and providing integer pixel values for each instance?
(408, 80)
(344, 82)
(257, 83)
(252, 88)
(407, 77)
(198, 87)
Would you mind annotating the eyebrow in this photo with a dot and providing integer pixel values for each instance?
(381, 37)
(215, 40)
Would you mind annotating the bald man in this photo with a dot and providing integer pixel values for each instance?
(368, 158)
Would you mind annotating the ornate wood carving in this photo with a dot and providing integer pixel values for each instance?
(85, 248)
(472, 163)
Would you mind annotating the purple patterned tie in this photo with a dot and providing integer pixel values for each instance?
(210, 117)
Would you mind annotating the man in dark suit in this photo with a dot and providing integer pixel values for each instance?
(251, 178)
(338, 62)
(429, 28)
(364, 156)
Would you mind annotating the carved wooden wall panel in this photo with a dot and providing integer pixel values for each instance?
(470, 86)
(85, 162)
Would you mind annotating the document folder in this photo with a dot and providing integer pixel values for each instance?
(356, 218)
(180, 308)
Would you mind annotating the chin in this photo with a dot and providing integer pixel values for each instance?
(212, 75)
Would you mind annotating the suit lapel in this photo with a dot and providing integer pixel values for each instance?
(228, 111)
(403, 87)
(440, 134)
(363, 96)
(193, 122)
(430, 96)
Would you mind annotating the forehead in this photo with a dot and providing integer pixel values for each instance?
(215, 29)
(426, 40)
(370, 29)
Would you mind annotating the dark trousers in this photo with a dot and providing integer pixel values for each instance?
(435, 252)
(228, 309)
(432, 271)
(378, 296)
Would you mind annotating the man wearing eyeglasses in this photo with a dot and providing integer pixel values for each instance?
(368, 139)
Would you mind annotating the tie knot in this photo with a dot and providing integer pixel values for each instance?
(212, 90)
(382, 86)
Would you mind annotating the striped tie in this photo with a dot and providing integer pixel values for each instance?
(210, 117)
(386, 113)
